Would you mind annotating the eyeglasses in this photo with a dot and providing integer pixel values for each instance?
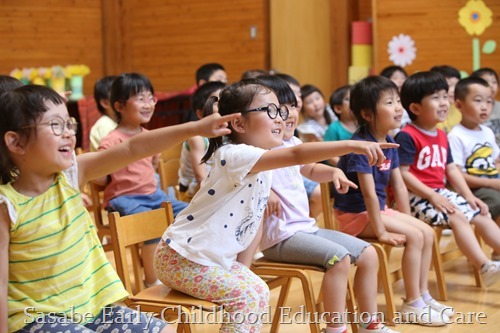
(58, 125)
(141, 100)
(273, 110)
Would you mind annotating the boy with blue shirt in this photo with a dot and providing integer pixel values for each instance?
(426, 161)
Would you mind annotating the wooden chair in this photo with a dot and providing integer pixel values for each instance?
(128, 233)
(386, 276)
(280, 275)
(103, 229)
(172, 152)
(168, 170)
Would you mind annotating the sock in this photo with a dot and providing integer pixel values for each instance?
(340, 329)
(372, 323)
(418, 303)
(426, 296)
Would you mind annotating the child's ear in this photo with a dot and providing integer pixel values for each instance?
(415, 108)
(14, 143)
(367, 115)
(238, 125)
(105, 103)
(199, 113)
(458, 104)
(119, 106)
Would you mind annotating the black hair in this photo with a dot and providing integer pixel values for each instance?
(462, 87)
(102, 91)
(389, 70)
(8, 83)
(205, 71)
(127, 85)
(202, 93)
(447, 71)
(366, 94)
(253, 73)
(280, 87)
(337, 97)
(484, 71)
(20, 110)
(234, 98)
(420, 85)
(289, 79)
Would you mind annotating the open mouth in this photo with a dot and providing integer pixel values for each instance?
(276, 131)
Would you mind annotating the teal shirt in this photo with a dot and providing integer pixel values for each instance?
(336, 132)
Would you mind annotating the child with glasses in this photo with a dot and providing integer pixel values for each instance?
(54, 273)
(207, 250)
(135, 188)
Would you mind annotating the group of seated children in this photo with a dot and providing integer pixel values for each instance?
(253, 189)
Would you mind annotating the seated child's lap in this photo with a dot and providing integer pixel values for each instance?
(320, 248)
(354, 223)
(423, 210)
(310, 185)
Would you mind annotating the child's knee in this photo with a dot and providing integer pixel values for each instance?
(368, 257)
(341, 266)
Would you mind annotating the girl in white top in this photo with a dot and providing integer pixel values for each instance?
(207, 250)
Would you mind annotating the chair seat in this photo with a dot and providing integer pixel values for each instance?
(164, 294)
(262, 262)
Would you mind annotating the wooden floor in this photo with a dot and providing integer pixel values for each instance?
(477, 310)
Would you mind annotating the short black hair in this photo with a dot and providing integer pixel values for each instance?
(102, 90)
(337, 97)
(280, 87)
(462, 87)
(201, 94)
(447, 71)
(484, 71)
(389, 70)
(289, 79)
(205, 71)
(420, 85)
(8, 83)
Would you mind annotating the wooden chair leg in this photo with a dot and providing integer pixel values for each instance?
(384, 277)
(438, 267)
(351, 307)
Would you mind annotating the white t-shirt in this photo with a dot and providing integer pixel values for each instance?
(225, 214)
(288, 184)
(474, 151)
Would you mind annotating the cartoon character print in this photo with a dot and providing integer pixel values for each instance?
(480, 162)
(248, 225)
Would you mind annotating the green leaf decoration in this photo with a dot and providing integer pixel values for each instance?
(489, 46)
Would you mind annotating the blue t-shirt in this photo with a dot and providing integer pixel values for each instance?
(336, 132)
(351, 164)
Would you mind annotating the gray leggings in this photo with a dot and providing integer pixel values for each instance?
(112, 319)
(322, 248)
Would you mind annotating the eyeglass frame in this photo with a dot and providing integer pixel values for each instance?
(278, 111)
(144, 102)
(72, 121)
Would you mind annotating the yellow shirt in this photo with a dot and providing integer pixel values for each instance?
(56, 261)
(454, 118)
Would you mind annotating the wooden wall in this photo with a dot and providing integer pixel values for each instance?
(165, 39)
(37, 33)
(434, 27)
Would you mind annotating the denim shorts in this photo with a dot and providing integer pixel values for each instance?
(310, 185)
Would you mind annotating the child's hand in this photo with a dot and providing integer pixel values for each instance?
(477, 203)
(392, 238)
(373, 150)
(215, 125)
(442, 204)
(341, 182)
(273, 205)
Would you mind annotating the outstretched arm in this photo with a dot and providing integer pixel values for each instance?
(4, 265)
(98, 164)
(310, 152)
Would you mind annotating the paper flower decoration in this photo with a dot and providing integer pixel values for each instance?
(475, 17)
(402, 50)
(77, 70)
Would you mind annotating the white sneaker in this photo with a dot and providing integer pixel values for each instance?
(441, 308)
(423, 316)
(375, 327)
(490, 273)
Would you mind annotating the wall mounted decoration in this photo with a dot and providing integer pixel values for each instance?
(402, 50)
